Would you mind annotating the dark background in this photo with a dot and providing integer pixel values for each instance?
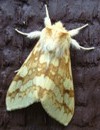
(28, 15)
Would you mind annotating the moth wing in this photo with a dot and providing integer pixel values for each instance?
(58, 95)
(52, 85)
(21, 92)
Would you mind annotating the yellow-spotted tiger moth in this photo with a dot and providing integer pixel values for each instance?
(46, 75)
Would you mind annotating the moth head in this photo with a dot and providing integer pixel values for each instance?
(55, 37)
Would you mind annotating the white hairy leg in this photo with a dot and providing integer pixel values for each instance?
(74, 32)
(31, 35)
(47, 20)
(36, 34)
(77, 46)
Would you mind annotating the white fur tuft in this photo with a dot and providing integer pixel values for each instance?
(34, 34)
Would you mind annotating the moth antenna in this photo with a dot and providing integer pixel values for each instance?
(31, 35)
(47, 20)
(74, 32)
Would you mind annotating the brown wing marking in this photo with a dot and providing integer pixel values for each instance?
(22, 92)
(58, 101)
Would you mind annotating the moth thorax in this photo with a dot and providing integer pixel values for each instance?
(63, 47)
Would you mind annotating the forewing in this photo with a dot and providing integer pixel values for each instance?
(57, 96)
(22, 92)
(47, 79)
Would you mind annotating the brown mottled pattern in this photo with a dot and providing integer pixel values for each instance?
(57, 74)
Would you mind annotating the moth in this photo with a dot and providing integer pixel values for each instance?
(46, 74)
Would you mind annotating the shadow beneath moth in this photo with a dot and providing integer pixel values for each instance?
(46, 75)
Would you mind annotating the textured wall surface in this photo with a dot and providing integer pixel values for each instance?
(27, 15)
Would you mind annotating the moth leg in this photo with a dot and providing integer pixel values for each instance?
(31, 35)
(77, 46)
(16, 71)
(74, 32)
(47, 20)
